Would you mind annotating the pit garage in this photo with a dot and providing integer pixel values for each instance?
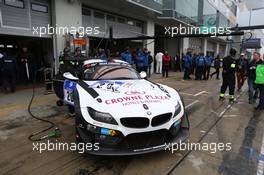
(17, 20)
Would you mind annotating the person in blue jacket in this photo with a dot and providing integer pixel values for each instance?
(208, 61)
(200, 66)
(142, 60)
(127, 56)
(9, 71)
(187, 63)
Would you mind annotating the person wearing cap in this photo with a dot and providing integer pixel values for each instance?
(241, 71)
(228, 74)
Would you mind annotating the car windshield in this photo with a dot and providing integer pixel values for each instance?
(111, 72)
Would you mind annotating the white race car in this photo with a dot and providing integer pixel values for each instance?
(122, 112)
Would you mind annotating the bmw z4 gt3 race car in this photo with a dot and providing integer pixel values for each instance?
(123, 112)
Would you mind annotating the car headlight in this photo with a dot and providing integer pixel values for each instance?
(177, 109)
(101, 116)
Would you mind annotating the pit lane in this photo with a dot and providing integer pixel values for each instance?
(238, 125)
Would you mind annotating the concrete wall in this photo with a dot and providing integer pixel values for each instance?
(150, 31)
(65, 14)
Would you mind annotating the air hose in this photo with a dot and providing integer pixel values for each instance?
(55, 133)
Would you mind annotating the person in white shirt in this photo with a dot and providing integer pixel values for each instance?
(158, 58)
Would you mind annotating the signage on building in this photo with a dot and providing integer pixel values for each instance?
(252, 43)
(154, 5)
(79, 41)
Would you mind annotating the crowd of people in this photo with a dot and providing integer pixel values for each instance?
(242, 69)
(235, 71)
(15, 66)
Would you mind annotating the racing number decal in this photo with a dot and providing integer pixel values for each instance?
(68, 88)
(69, 96)
(108, 85)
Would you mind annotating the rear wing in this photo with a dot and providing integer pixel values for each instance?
(95, 62)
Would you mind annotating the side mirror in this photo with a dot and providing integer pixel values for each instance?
(69, 76)
(143, 75)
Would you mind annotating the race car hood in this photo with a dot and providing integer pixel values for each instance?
(127, 97)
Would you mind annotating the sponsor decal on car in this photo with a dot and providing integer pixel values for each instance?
(135, 92)
(69, 87)
(137, 99)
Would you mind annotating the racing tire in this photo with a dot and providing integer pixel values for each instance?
(78, 139)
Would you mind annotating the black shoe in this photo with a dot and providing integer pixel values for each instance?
(221, 98)
(258, 108)
(232, 101)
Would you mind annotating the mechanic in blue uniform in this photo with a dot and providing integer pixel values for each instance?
(200, 66)
(228, 74)
(142, 61)
(9, 70)
(208, 61)
(187, 59)
(127, 56)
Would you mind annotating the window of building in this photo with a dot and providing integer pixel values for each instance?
(110, 18)
(39, 7)
(86, 12)
(15, 3)
(186, 9)
(98, 15)
(130, 22)
(158, 1)
(9, 46)
(139, 24)
(121, 20)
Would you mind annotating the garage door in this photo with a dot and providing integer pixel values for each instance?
(20, 16)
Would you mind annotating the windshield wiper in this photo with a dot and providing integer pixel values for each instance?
(124, 78)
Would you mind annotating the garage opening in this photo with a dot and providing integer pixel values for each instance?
(39, 54)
